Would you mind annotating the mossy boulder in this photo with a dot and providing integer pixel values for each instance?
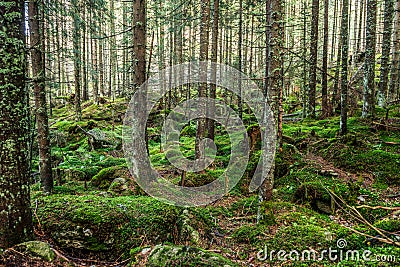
(165, 255)
(193, 179)
(106, 227)
(37, 249)
(72, 175)
(106, 176)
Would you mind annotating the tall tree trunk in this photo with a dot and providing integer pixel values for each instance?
(325, 108)
(386, 44)
(101, 56)
(369, 65)
(275, 87)
(359, 37)
(394, 72)
(240, 48)
(335, 18)
(204, 33)
(77, 57)
(214, 53)
(38, 73)
(313, 59)
(345, 51)
(85, 92)
(15, 213)
(139, 42)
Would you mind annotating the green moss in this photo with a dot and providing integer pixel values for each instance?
(107, 225)
(164, 255)
(104, 178)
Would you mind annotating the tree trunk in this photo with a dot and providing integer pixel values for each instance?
(204, 32)
(345, 51)
(313, 59)
(38, 73)
(15, 213)
(386, 43)
(214, 53)
(325, 108)
(394, 72)
(369, 65)
(77, 57)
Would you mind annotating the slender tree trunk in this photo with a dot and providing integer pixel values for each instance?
(313, 58)
(85, 93)
(335, 18)
(15, 213)
(325, 108)
(369, 65)
(240, 48)
(275, 87)
(359, 29)
(77, 57)
(345, 51)
(394, 72)
(38, 73)
(204, 33)
(386, 43)
(214, 53)
(101, 58)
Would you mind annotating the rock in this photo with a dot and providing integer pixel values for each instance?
(72, 175)
(106, 176)
(37, 249)
(118, 185)
(361, 198)
(164, 255)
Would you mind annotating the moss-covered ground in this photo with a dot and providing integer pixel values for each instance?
(327, 188)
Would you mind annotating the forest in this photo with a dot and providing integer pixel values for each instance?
(200, 133)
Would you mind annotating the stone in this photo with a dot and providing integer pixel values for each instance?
(165, 255)
(37, 249)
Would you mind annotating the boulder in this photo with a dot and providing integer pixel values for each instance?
(165, 255)
(37, 249)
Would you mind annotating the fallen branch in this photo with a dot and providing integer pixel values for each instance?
(387, 126)
(378, 207)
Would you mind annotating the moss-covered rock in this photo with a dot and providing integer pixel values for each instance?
(164, 255)
(37, 249)
(72, 175)
(106, 227)
(105, 176)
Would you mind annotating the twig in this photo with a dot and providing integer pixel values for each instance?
(378, 207)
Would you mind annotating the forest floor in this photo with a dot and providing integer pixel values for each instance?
(331, 191)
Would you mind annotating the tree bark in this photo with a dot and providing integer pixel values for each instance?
(38, 73)
(313, 59)
(386, 43)
(204, 33)
(343, 77)
(77, 57)
(325, 108)
(15, 213)
(214, 53)
(368, 109)
(394, 72)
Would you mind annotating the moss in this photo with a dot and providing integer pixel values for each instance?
(105, 176)
(37, 249)
(164, 255)
(106, 226)
(249, 234)
(387, 224)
